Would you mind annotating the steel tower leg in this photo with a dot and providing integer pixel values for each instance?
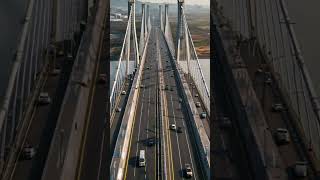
(142, 32)
(179, 25)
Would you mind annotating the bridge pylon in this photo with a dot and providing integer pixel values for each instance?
(143, 29)
(161, 17)
(132, 40)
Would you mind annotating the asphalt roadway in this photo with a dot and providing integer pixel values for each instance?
(145, 119)
(116, 117)
(42, 125)
(183, 149)
(146, 126)
(269, 94)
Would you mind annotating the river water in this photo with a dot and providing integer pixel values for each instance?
(305, 14)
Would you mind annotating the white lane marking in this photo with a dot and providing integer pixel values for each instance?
(101, 153)
(174, 119)
(185, 133)
(134, 169)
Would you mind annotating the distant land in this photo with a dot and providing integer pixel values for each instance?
(198, 18)
(122, 5)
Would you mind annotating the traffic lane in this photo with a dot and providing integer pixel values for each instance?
(93, 145)
(33, 137)
(117, 118)
(150, 132)
(133, 159)
(290, 153)
(181, 145)
(275, 120)
(194, 92)
(137, 140)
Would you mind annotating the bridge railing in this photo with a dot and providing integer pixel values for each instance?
(120, 75)
(267, 24)
(196, 69)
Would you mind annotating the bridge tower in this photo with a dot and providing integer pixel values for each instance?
(148, 16)
(161, 18)
(166, 6)
(132, 40)
(182, 39)
(179, 24)
(143, 29)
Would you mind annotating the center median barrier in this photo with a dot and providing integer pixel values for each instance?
(61, 162)
(201, 138)
(120, 155)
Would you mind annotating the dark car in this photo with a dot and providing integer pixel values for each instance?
(179, 130)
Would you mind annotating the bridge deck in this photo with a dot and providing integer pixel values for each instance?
(145, 125)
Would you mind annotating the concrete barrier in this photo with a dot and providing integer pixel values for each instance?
(64, 150)
(127, 123)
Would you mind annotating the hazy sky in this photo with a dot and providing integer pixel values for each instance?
(200, 2)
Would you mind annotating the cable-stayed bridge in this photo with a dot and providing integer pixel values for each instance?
(54, 116)
(165, 88)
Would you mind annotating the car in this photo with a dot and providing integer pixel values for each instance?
(166, 87)
(300, 169)
(282, 136)
(277, 107)
(198, 104)
(123, 93)
(196, 95)
(102, 78)
(179, 130)
(148, 67)
(180, 100)
(151, 142)
(188, 170)
(203, 115)
(142, 86)
(173, 127)
(268, 81)
(118, 109)
(171, 89)
(28, 152)
(171, 75)
(142, 158)
(44, 98)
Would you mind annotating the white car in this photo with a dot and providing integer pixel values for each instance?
(44, 98)
(173, 127)
(188, 170)
(198, 104)
(123, 92)
(203, 115)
